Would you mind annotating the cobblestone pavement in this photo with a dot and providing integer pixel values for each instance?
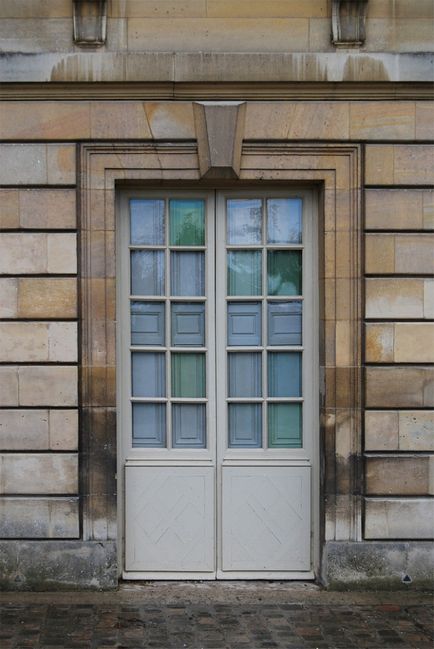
(219, 616)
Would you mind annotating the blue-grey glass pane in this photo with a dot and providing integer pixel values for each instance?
(244, 221)
(147, 272)
(188, 324)
(244, 323)
(284, 323)
(284, 220)
(284, 374)
(284, 272)
(245, 272)
(245, 425)
(149, 424)
(187, 273)
(149, 374)
(147, 323)
(189, 425)
(284, 425)
(147, 221)
(187, 222)
(245, 374)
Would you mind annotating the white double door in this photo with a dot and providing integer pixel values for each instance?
(218, 381)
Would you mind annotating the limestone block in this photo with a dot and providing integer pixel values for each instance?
(47, 209)
(414, 342)
(416, 430)
(62, 342)
(399, 387)
(395, 298)
(425, 120)
(23, 253)
(36, 9)
(36, 34)
(39, 518)
(399, 164)
(26, 342)
(38, 430)
(42, 473)
(46, 298)
(62, 253)
(381, 430)
(63, 430)
(48, 385)
(380, 254)
(271, 8)
(8, 386)
(428, 298)
(167, 120)
(9, 209)
(382, 120)
(119, 120)
(37, 120)
(158, 8)
(401, 9)
(399, 209)
(379, 343)
(37, 164)
(400, 518)
(407, 254)
(9, 297)
(399, 475)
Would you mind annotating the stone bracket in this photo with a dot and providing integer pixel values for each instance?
(89, 22)
(348, 22)
(219, 132)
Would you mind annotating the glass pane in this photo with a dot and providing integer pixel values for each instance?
(245, 425)
(245, 375)
(188, 324)
(147, 222)
(284, 425)
(188, 375)
(244, 323)
(284, 220)
(187, 222)
(245, 272)
(284, 272)
(244, 221)
(284, 374)
(147, 272)
(147, 323)
(189, 425)
(149, 374)
(284, 323)
(149, 424)
(187, 273)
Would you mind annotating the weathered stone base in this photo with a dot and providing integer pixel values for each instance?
(378, 566)
(58, 565)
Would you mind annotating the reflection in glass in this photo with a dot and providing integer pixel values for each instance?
(244, 272)
(245, 374)
(187, 273)
(284, 272)
(284, 374)
(245, 425)
(188, 375)
(148, 374)
(149, 425)
(284, 425)
(147, 323)
(187, 222)
(284, 323)
(284, 220)
(244, 220)
(147, 272)
(147, 221)
(189, 425)
(244, 323)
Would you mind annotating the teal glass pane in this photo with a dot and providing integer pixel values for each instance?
(147, 323)
(188, 375)
(245, 374)
(147, 221)
(284, 323)
(245, 272)
(284, 220)
(187, 273)
(244, 221)
(189, 425)
(147, 272)
(149, 374)
(284, 425)
(187, 222)
(245, 425)
(284, 374)
(284, 272)
(149, 425)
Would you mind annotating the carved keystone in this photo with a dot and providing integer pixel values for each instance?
(348, 22)
(90, 22)
(219, 132)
